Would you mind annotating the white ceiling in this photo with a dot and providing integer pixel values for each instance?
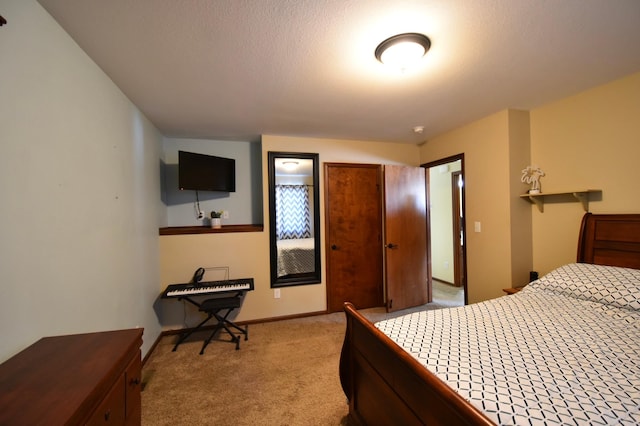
(235, 69)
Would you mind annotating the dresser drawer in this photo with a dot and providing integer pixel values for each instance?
(133, 380)
(111, 410)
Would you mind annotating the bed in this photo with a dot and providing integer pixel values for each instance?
(296, 256)
(564, 350)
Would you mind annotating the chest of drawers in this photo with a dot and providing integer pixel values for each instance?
(80, 379)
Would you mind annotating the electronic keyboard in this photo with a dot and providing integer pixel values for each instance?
(204, 288)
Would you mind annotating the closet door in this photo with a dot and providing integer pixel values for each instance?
(353, 218)
(407, 276)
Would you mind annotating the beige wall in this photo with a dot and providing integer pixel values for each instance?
(485, 144)
(520, 223)
(590, 140)
(587, 141)
(247, 254)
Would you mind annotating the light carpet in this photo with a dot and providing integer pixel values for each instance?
(285, 374)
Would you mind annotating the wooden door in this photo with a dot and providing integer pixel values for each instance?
(406, 261)
(353, 216)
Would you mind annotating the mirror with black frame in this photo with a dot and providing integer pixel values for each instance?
(294, 218)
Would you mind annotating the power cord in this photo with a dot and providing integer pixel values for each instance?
(196, 206)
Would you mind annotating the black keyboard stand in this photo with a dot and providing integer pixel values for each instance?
(218, 308)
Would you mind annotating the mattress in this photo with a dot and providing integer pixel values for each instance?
(564, 350)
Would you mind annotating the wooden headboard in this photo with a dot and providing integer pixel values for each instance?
(610, 239)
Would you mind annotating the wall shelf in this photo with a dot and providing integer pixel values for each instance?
(185, 230)
(581, 196)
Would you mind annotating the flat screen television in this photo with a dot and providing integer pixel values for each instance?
(202, 172)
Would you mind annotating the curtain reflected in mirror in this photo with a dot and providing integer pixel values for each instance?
(294, 218)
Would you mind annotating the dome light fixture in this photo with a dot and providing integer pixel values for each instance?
(290, 165)
(403, 50)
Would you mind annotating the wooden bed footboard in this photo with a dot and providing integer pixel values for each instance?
(387, 386)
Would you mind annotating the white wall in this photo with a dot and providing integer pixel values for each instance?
(441, 217)
(79, 183)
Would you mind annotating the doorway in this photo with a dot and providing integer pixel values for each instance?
(445, 189)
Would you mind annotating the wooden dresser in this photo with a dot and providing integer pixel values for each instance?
(79, 379)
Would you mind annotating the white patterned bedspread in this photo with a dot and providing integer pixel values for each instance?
(565, 350)
(296, 256)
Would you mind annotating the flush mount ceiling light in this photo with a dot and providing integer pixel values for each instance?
(290, 165)
(403, 50)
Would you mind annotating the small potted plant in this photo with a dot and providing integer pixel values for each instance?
(216, 222)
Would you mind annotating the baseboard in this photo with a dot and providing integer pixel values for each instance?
(151, 349)
(443, 281)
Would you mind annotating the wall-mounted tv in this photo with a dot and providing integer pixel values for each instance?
(205, 172)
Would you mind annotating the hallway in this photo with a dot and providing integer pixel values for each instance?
(447, 295)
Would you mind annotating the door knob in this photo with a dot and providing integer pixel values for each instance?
(334, 247)
(391, 246)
